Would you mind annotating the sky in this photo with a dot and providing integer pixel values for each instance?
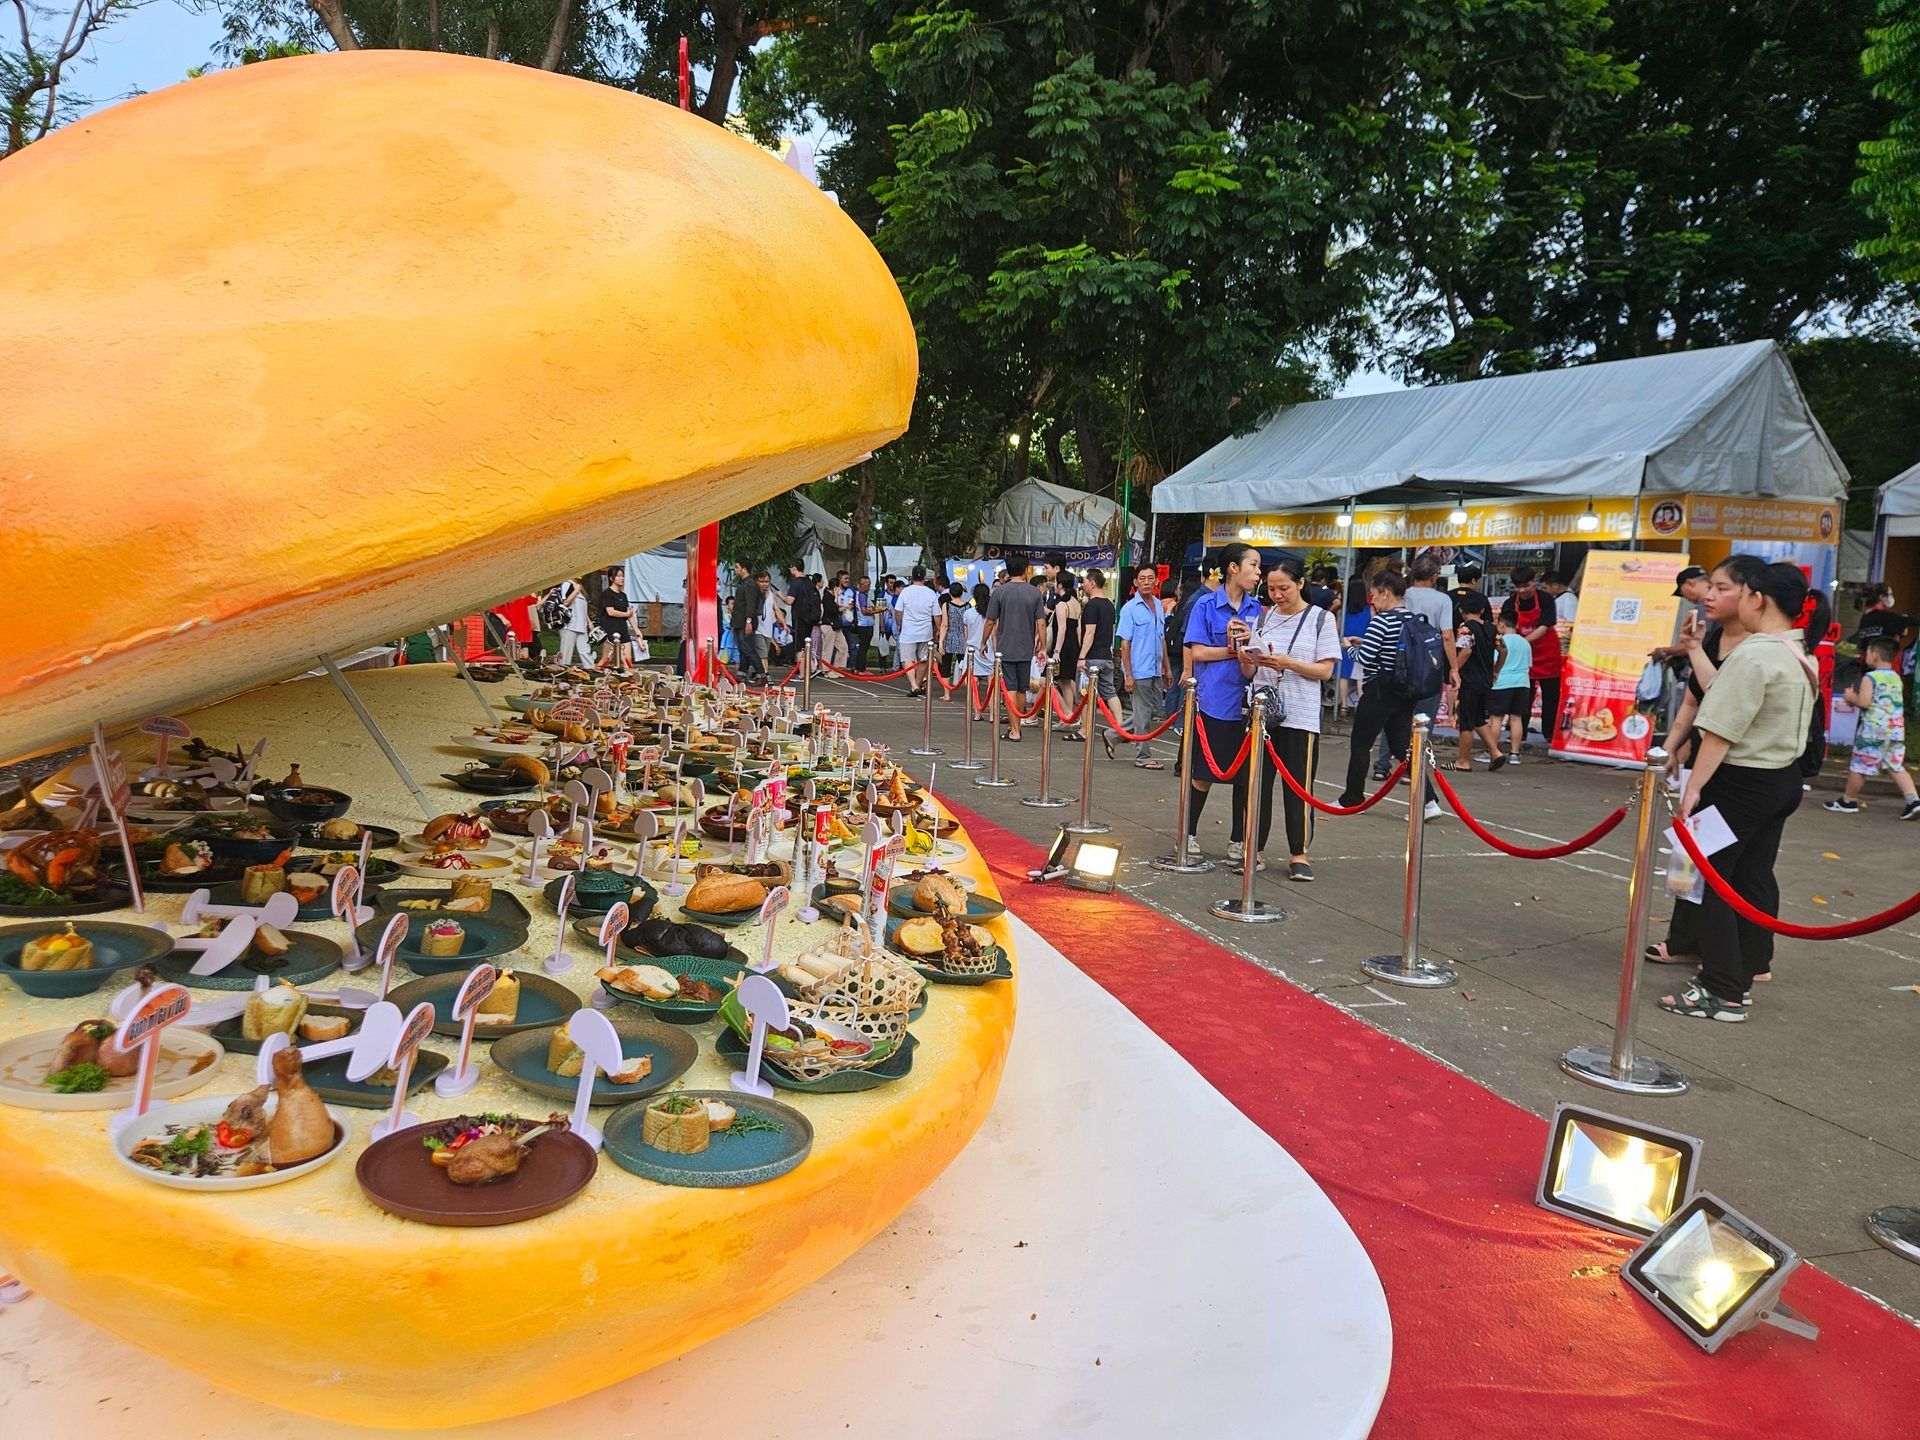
(155, 45)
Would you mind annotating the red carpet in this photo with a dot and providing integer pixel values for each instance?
(1498, 1330)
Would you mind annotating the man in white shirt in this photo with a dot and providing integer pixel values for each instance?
(921, 628)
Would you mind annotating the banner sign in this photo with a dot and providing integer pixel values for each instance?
(1627, 607)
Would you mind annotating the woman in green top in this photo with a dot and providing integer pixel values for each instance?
(1753, 727)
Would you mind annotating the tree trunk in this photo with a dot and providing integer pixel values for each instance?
(335, 19)
(433, 24)
(861, 544)
(557, 35)
(728, 40)
(1056, 466)
(493, 38)
(1096, 463)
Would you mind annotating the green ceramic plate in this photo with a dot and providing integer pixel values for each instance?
(507, 907)
(310, 957)
(645, 897)
(320, 909)
(1002, 963)
(542, 1002)
(524, 1058)
(730, 1159)
(227, 1032)
(482, 938)
(328, 1079)
(979, 907)
(116, 947)
(684, 1012)
(733, 1049)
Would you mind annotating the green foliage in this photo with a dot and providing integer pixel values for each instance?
(763, 535)
(1696, 191)
(1862, 387)
(1890, 160)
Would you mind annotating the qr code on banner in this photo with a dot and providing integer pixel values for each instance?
(1626, 610)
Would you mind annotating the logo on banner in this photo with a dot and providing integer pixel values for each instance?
(1667, 517)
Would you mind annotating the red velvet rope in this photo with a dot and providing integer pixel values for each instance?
(1246, 749)
(1905, 910)
(1128, 736)
(1321, 805)
(973, 693)
(862, 675)
(1014, 708)
(1549, 852)
(1065, 718)
(935, 671)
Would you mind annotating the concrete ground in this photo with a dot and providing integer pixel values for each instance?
(1807, 1109)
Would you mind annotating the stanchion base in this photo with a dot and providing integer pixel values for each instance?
(995, 780)
(1648, 1076)
(1174, 865)
(1253, 912)
(1091, 827)
(1898, 1228)
(926, 750)
(1425, 975)
(966, 764)
(1043, 802)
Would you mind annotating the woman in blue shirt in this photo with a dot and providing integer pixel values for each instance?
(1219, 621)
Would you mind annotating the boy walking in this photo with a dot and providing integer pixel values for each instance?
(1880, 741)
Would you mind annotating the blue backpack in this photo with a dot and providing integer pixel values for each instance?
(1420, 659)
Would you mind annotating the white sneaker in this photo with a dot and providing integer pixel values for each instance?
(1192, 851)
(1236, 851)
(1433, 811)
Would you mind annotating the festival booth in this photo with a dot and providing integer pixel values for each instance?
(1896, 533)
(1674, 459)
(1043, 521)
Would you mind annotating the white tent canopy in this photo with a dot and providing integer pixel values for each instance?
(1052, 517)
(1724, 421)
(822, 527)
(1900, 496)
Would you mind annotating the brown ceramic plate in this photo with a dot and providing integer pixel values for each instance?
(400, 1177)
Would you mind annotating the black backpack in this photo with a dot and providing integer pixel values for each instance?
(553, 609)
(1419, 660)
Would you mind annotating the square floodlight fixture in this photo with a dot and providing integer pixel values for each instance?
(1619, 1174)
(1094, 866)
(1714, 1274)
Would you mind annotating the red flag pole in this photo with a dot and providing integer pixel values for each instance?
(703, 546)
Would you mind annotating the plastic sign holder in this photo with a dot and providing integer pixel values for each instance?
(538, 828)
(595, 1036)
(765, 1006)
(558, 963)
(110, 775)
(280, 909)
(612, 927)
(673, 885)
(389, 946)
(160, 1007)
(770, 909)
(464, 1074)
(418, 1025)
(645, 827)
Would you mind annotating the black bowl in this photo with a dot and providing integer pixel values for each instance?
(306, 804)
(481, 781)
(249, 852)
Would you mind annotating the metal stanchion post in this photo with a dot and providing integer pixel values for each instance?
(966, 760)
(1247, 909)
(1178, 863)
(811, 659)
(926, 745)
(1408, 967)
(711, 674)
(1084, 826)
(1046, 799)
(1898, 1228)
(1619, 1068)
(993, 776)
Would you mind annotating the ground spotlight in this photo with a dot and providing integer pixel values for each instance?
(1085, 864)
(1615, 1173)
(1714, 1274)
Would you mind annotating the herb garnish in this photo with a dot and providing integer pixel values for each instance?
(79, 1079)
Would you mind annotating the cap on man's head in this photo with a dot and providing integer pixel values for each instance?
(1692, 572)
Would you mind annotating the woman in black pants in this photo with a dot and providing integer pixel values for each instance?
(1753, 728)
(1299, 645)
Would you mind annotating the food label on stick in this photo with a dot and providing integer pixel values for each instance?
(614, 923)
(390, 939)
(346, 886)
(163, 1005)
(418, 1026)
(474, 990)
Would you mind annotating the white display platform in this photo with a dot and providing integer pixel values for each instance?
(1118, 1253)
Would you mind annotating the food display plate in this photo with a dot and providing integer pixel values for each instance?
(198, 1112)
(398, 1175)
(729, 1161)
(186, 1062)
(733, 1049)
(542, 1002)
(309, 957)
(484, 938)
(524, 1058)
(117, 946)
(979, 907)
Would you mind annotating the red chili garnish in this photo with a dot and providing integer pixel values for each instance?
(231, 1139)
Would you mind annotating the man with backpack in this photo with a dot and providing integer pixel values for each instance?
(1404, 666)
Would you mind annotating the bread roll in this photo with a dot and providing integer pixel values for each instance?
(316, 1028)
(442, 937)
(564, 1058)
(465, 887)
(920, 937)
(934, 889)
(270, 942)
(533, 771)
(677, 1125)
(502, 1003)
(260, 883)
(273, 1011)
(723, 894)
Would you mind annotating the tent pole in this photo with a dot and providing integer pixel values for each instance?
(1153, 530)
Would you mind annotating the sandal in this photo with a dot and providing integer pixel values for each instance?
(1696, 1002)
(1107, 740)
(1660, 955)
(1498, 761)
(1148, 765)
(1466, 769)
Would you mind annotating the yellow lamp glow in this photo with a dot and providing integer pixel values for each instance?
(1714, 1273)
(1093, 866)
(1615, 1173)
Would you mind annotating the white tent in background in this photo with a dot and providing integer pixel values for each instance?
(1044, 516)
(1896, 514)
(1729, 420)
(824, 539)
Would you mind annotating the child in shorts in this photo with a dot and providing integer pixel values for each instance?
(1512, 698)
(1880, 738)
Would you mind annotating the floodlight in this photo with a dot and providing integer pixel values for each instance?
(1094, 866)
(1615, 1173)
(1588, 522)
(1714, 1274)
